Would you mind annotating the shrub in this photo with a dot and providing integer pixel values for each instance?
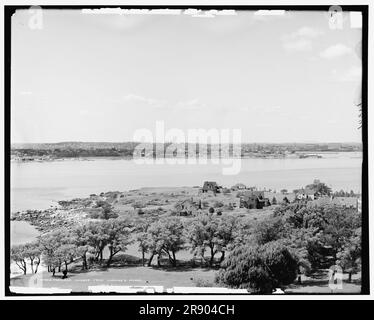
(260, 269)
(218, 204)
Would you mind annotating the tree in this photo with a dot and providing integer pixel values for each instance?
(268, 230)
(18, 255)
(106, 211)
(96, 238)
(338, 227)
(33, 253)
(324, 230)
(82, 239)
(285, 200)
(118, 233)
(349, 256)
(212, 233)
(166, 236)
(50, 243)
(202, 235)
(259, 269)
(227, 233)
(66, 254)
(319, 187)
(142, 237)
(274, 201)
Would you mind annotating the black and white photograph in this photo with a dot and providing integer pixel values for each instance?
(186, 150)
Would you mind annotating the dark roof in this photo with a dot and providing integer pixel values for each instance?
(210, 184)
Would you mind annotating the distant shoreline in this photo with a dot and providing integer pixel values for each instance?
(296, 155)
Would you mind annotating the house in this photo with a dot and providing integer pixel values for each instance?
(303, 194)
(238, 186)
(211, 186)
(253, 200)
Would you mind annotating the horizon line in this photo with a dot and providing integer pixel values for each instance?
(129, 141)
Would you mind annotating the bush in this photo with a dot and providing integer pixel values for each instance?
(226, 191)
(260, 269)
(218, 204)
(94, 214)
(138, 204)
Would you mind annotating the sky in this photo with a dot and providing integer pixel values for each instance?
(101, 77)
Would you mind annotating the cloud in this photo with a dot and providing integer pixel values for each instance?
(336, 50)
(298, 45)
(309, 32)
(304, 32)
(300, 40)
(194, 104)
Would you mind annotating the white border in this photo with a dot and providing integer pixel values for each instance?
(199, 297)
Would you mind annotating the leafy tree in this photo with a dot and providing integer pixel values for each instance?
(18, 255)
(82, 239)
(118, 236)
(33, 253)
(66, 254)
(327, 229)
(166, 236)
(142, 236)
(50, 243)
(215, 234)
(202, 233)
(227, 233)
(96, 238)
(338, 227)
(319, 187)
(106, 211)
(268, 230)
(259, 269)
(349, 256)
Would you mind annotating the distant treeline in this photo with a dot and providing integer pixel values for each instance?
(126, 149)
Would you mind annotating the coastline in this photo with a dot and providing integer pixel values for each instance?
(295, 155)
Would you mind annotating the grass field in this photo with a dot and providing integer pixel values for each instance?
(129, 276)
(167, 277)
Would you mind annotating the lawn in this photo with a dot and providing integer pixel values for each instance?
(124, 276)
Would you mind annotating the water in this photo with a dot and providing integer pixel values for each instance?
(22, 232)
(38, 185)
